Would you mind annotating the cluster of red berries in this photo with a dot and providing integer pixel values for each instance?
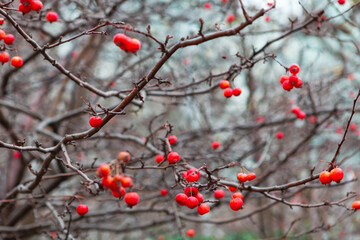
(27, 6)
(289, 82)
(243, 177)
(336, 175)
(297, 111)
(228, 92)
(192, 199)
(172, 157)
(127, 44)
(9, 39)
(118, 183)
(236, 201)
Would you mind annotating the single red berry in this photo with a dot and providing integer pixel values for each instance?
(341, 2)
(124, 156)
(192, 202)
(284, 78)
(121, 40)
(219, 193)
(193, 175)
(4, 57)
(224, 1)
(172, 139)
(287, 85)
(36, 6)
(203, 208)
(230, 18)
(16, 154)
(82, 209)
(301, 115)
(122, 191)
(279, 135)
(181, 199)
(103, 170)
(116, 194)
(251, 176)
(133, 45)
(312, 119)
(173, 157)
(224, 84)
(159, 158)
(118, 178)
(126, 182)
(267, 18)
(131, 198)
(199, 197)
(207, 5)
(228, 92)
(242, 177)
(215, 145)
(52, 16)
(2, 20)
(352, 127)
(232, 189)
(164, 192)
(9, 39)
(95, 121)
(336, 174)
(294, 68)
(191, 191)
(236, 91)
(324, 177)
(107, 181)
(299, 83)
(295, 110)
(270, 4)
(2, 34)
(190, 232)
(236, 203)
(356, 205)
(238, 195)
(293, 79)
(16, 61)
(24, 9)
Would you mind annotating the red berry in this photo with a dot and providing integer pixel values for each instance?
(118, 178)
(236, 203)
(341, 2)
(224, 84)
(4, 57)
(159, 158)
(207, 5)
(238, 195)
(230, 18)
(294, 68)
(193, 175)
(133, 45)
(172, 139)
(9, 39)
(52, 16)
(352, 127)
(131, 198)
(107, 181)
(199, 197)
(173, 157)
(242, 177)
(356, 205)
(267, 18)
(16, 154)
(16, 61)
(95, 121)
(284, 78)
(295, 109)
(203, 209)
(121, 40)
(236, 91)
(301, 115)
(192, 202)
(2, 34)
(103, 170)
(299, 83)
(2, 20)
(219, 193)
(164, 192)
(82, 209)
(24, 9)
(126, 182)
(124, 156)
(287, 85)
(228, 92)
(324, 177)
(232, 189)
(215, 145)
(190, 232)
(293, 79)
(181, 199)
(336, 174)
(36, 6)
(279, 135)
(191, 191)
(251, 176)
(224, 1)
